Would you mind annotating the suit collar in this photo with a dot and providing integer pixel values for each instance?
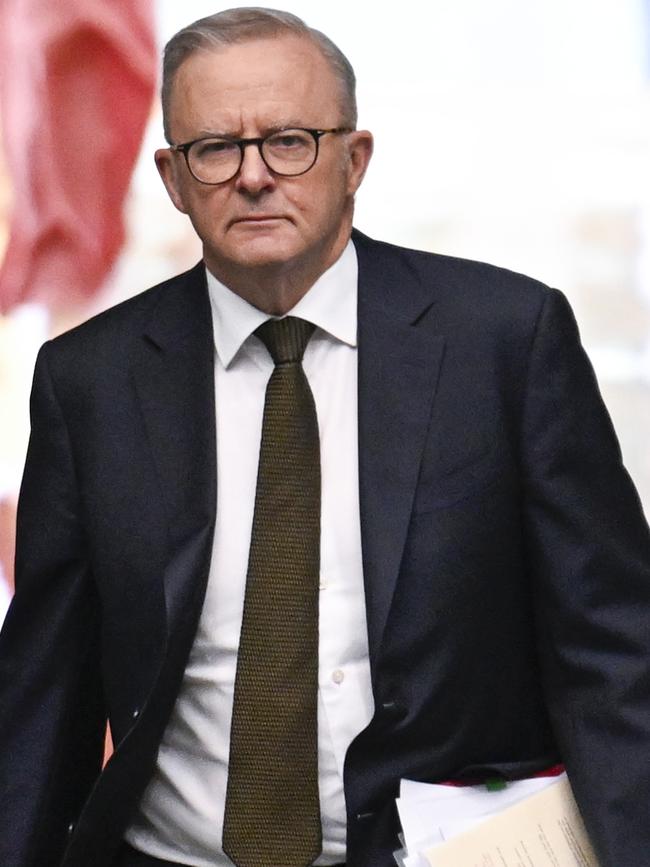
(180, 311)
(391, 283)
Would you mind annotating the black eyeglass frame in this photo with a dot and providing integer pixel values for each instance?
(243, 143)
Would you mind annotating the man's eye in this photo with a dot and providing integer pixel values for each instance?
(215, 147)
(291, 140)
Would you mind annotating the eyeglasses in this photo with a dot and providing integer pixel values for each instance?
(287, 152)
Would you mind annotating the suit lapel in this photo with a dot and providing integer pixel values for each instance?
(399, 362)
(174, 376)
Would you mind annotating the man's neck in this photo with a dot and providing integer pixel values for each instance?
(276, 288)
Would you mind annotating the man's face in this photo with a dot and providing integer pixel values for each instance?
(259, 221)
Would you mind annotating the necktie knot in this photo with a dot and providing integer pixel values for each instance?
(286, 338)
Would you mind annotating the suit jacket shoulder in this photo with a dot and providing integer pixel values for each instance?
(85, 359)
(168, 308)
(478, 288)
(472, 303)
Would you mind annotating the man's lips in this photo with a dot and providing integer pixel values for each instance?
(259, 218)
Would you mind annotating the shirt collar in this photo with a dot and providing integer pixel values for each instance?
(330, 304)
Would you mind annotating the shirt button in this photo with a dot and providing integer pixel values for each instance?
(338, 676)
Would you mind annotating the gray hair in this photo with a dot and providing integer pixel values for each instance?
(234, 26)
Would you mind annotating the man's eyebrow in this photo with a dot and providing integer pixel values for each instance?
(267, 129)
(287, 124)
(213, 133)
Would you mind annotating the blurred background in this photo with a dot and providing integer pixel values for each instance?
(515, 131)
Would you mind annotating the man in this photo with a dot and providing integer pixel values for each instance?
(439, 502)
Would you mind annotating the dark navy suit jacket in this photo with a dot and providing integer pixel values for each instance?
(506, 560)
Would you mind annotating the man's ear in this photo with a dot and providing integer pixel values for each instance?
(360, 145)
(169, 169)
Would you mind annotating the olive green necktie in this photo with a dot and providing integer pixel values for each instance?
(272, 814)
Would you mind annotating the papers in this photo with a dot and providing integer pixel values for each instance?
(528, 823)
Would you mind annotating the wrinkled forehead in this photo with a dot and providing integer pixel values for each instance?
(279, 79)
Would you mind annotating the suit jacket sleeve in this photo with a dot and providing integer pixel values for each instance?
(589, 553)
(51, 719)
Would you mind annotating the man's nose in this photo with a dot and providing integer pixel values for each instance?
(254, 176)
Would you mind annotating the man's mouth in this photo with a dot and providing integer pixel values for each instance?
(258, 218)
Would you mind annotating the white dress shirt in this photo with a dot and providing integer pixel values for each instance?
(180, 817)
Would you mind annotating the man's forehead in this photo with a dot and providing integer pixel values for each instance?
(285, 78)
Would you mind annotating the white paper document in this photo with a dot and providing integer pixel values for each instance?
(529, 823)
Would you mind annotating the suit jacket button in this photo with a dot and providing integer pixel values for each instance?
(392, 710)
(136, 713)
(70, 827)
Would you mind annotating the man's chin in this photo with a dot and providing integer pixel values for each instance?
(263, 249)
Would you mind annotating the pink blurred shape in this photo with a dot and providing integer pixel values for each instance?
(76, 86)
